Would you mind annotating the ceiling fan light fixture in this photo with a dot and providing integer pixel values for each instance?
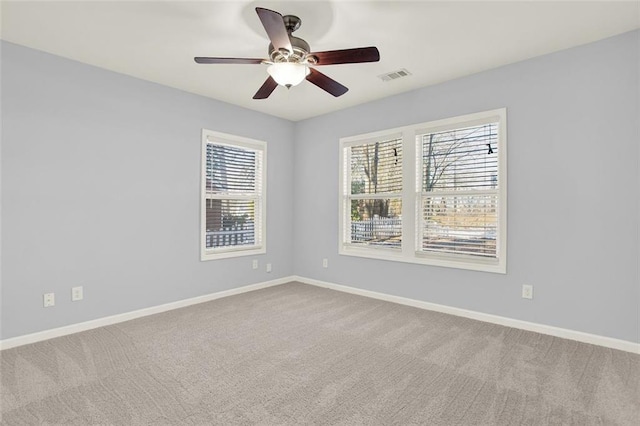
(288, 73)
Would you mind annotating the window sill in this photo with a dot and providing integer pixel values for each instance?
(483, 265)
(230, 253)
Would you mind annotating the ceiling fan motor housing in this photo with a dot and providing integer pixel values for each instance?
(300, 51)
(300, 47)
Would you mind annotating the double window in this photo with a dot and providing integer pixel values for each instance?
(233, 196)
(433, 193)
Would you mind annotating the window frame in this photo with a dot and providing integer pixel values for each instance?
(210, 136)
(412, 193)
(348, 197)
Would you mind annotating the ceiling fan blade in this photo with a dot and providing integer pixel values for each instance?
(204, 60)
(266, 89)
(325, 83)
(347, 56)
(274, 26)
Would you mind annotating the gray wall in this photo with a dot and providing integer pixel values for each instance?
(101, 187)
(573, 136)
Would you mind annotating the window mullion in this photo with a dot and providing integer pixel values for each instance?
(408, 199)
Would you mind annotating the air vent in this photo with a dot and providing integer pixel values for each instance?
(394, 75)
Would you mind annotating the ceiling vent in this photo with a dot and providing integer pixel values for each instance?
(394, 75)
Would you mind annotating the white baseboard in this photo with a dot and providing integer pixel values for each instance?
(494, 319)
(114, 319)
(564, 333)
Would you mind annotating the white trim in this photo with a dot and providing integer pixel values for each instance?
(411, 195)
(396, 255)
(373, 137)
(564, 333)
(115, 319)
(462, 121)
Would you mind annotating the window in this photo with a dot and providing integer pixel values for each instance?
(374, 193)
(233, 196)
(432, 193)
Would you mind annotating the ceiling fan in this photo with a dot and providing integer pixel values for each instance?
(290, 60)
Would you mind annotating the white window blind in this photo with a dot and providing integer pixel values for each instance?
(459, 191)
(374, 193)
(233, 196)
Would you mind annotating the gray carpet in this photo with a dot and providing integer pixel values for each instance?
(296, 354)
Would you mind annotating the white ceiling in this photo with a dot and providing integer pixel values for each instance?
(435, 41)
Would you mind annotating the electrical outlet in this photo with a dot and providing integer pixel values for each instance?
(325, 263)
(49, 300)
(255, 263)
(527, 291)
(77, 294)
(268, 267)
